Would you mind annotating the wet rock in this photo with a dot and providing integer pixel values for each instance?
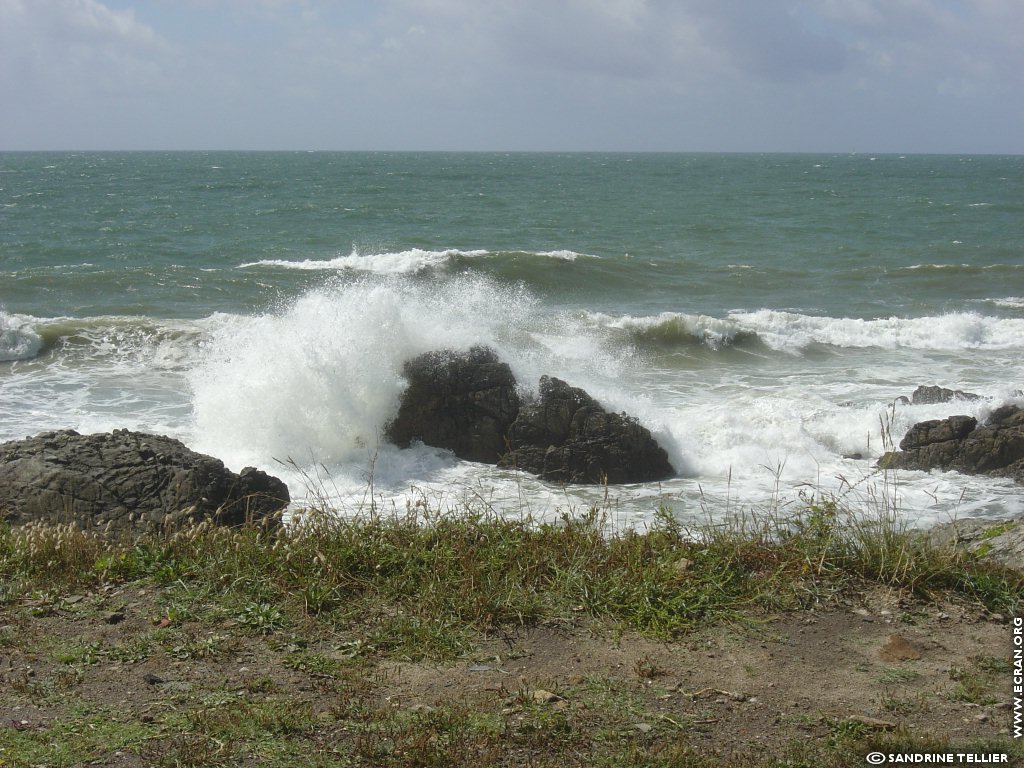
(127, 482)
(468, 403)
(463, 402)
(566, 436)
(959, 443)
(928, 395)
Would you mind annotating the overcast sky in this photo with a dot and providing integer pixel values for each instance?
(631, 75)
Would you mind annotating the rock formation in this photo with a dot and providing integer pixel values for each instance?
(127, 482)
(468, 404)
(566, 436)
(999, 541)
(925, 395)
(463, 402)
(959, 443)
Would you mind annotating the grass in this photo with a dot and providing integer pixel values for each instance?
(335, 598)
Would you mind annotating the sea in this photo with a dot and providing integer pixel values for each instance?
(761, 314)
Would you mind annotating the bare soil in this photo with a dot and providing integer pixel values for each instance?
(881, 663)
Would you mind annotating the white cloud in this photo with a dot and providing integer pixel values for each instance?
(508, 73)
(67, 50)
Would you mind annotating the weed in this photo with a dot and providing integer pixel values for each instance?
(898, 675)
(262, 617)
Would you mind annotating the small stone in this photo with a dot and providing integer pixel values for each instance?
(644, 727)
(898, 648)
(982, 717)
(480, 667)
(683, 564)
(545, 697)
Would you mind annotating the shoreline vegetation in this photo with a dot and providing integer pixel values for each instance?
(423, 638)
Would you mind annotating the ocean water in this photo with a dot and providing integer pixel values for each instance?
(760, 314)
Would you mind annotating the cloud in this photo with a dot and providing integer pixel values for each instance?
(506, 73)
(64, 50)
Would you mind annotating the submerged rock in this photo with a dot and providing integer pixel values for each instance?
(127, 482)
(958, 443)
(566, 436)
(468, 403)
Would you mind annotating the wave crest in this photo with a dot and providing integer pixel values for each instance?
(411, 261)
(789, 331)
(19, 339)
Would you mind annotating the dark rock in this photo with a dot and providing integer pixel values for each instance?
(468, 403)
(128, 482)
(958, 443)
(938, 431)
(463, 402)
(566, 436)
(929, 395)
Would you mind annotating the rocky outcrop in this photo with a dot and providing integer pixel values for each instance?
(959, 443)
(928, 395)
(998, 541)
(566, 436)
(468, 403)
(463, 402)
(128, 482)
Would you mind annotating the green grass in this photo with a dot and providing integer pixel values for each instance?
(336, 596)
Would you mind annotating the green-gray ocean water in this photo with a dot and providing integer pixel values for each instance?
(759, 313)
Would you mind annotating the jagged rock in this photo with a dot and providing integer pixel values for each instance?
(128, 482)
(463, 402)
(467, 403)
(925, 395)
(566, 436)
(958, 443)
(1000, 541)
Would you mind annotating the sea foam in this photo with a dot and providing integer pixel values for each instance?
(401, 262)
(789, 331)
(411, 261)
(318, 379)
(19, 339)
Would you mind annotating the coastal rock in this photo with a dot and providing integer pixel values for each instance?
(566, 436)
(999, 541)
(463, 402)
(127, 482)
(929, 395)
(468, 403)
(958, 443)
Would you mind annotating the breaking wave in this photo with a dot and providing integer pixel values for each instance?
(793, 332)
(19, 339)
(409, 261)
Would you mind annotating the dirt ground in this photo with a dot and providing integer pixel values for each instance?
(881, 663)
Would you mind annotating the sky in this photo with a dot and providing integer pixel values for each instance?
(942, 76)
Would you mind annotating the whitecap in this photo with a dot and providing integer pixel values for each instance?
(19, 339)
